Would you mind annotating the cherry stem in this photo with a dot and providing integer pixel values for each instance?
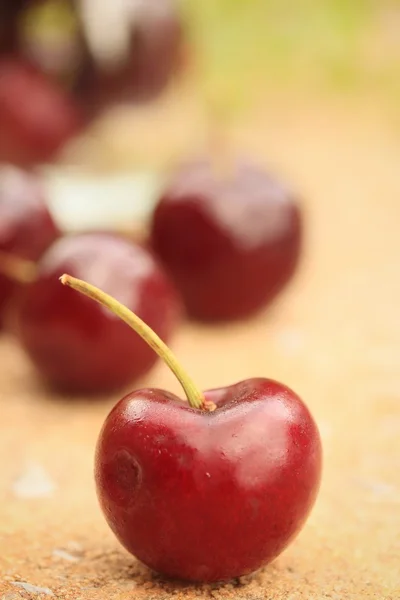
(193, 394)
(17, 269)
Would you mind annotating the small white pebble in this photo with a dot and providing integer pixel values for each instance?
(378, 488)
(64, 555)
(34, 482)
(33, 589)
(74, 548)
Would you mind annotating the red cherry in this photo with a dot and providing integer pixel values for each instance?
(154, 55)
(36, 116)
(26, 226)
(83, 348)
(231, 239)
(210, 489)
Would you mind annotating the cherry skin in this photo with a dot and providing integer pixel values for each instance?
(27, 228)
(37, 117)
(80, 347)
(206, 496)
(230, 238)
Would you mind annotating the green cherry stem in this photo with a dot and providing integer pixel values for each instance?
(193, 394)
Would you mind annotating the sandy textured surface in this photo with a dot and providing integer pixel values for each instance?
(334, 337)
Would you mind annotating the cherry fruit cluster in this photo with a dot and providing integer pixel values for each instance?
(62, 62)
(206, 489)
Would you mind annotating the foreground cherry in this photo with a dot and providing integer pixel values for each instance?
(208, 489)
(27, 228)
(78, 347)
(229, 235)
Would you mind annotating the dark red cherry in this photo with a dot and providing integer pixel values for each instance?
(208, 496)
(230, 237)
(153, 55)
(81, 347)
(37, 117)
(208, 489)
(26, 226)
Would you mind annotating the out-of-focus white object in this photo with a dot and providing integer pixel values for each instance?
(81, 202)
(108, 30)
(33, 482)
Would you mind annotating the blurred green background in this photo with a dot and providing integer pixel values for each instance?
(312, 45)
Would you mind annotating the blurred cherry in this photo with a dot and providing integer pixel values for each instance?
(142, 60)
(36, 116)
(26, 225)
(78, 346)
(63, 62)
(230, 235)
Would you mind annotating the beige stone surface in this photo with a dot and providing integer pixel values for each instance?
(334, 337)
